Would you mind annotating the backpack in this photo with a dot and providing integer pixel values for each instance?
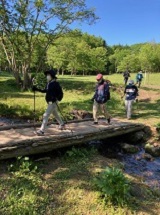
(126, 74)
(104, 95)
(108, 92)
(139, 77)
(59, 94)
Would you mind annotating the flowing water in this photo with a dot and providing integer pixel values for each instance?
(135, 164)
(148, 170)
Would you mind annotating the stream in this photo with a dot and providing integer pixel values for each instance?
(134, 164)
(148, 170)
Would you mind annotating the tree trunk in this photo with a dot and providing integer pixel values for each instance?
(62, 72)
(17, 78)
(26, 78)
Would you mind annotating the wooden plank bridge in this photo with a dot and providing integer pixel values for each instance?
(20, 140)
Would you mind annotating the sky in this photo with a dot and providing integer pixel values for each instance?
(125, 22)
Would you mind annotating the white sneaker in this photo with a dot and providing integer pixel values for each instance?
(39, 133)
(61, 127)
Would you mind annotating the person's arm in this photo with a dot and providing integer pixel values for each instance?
(123, 93)
(34, 88)
(95, 93)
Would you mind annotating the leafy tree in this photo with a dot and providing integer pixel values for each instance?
(150, 57)
(131, 61)
(25, 23)
(74, 53)
(98, 59)
(118, 56)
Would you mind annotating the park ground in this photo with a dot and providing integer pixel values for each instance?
(60, 183)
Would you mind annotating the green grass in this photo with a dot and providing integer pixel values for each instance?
(78, 91)
(63, 185)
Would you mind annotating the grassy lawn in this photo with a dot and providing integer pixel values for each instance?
(78, 92)
(63, 184)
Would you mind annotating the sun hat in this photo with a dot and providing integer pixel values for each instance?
(52, 72)
(99, 76)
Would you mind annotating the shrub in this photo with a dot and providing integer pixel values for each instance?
(113, 186)
(158, 127)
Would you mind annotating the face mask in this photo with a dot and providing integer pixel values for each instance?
(99, 81)
(49, 78)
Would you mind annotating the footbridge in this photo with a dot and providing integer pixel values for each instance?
(20, 140)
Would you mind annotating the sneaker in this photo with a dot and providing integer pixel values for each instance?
(39, 133)
(109, 120)
(95, 123)
(61, 127)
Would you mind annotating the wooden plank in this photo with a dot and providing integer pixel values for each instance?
(20, 142)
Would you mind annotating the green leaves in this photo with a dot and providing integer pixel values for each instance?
(113, 186)
(40, 80)
(77, 53)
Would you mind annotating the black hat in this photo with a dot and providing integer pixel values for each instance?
(52, 72)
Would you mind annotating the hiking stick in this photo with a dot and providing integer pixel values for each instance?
(63, 116)
(34, 105)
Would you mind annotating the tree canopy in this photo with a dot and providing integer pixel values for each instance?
(27, 25)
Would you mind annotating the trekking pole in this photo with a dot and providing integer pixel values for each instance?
(34, 105)
(63, 117)
(137, 103)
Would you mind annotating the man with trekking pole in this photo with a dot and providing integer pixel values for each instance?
(54, 94)
(130, 93)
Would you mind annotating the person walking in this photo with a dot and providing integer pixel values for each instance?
(139, 78)
(130, 93)
(53, 91)
(100, 97)
(126, 75)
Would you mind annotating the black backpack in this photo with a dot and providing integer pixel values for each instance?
(59, 94)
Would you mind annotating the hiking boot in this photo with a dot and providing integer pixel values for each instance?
(61, 127)
(39, 133)
(109, 120)
(95, 123)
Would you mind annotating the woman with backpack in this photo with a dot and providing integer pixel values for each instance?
(101, 96)
(54, 93)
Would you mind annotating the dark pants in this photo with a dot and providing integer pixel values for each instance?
(125, 80)
(139, 83)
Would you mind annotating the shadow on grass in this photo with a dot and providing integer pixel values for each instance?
(73, 177)
(151, 88)
(78, 86)
(16, 111)
(146, 110)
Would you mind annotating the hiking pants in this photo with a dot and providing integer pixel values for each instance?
(125, 80)
(139, 83)
(51, 109)
(102, 107)
(128, 106)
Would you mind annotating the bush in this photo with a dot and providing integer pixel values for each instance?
(113, 186)
(40, 80)
(158, 127)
